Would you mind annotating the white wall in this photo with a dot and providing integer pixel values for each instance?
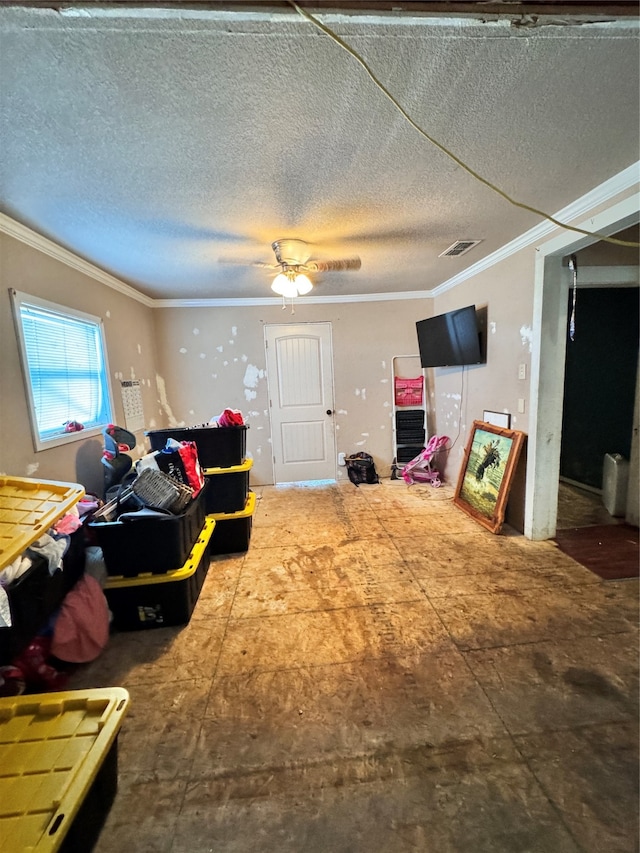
(212, 358)
(130, 340)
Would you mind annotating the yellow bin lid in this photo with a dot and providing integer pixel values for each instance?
(232, 469)
(28, 508)
(52, 746)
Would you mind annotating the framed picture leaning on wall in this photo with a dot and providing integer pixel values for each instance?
(485, 478)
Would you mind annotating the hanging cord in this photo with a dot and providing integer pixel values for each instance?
(336, 38)
(462, 397)
(573, 266)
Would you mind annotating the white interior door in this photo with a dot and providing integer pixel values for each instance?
(300, 382)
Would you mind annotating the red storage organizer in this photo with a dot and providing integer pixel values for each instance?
(409, 391)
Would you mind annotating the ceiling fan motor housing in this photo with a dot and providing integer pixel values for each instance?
(293, 253)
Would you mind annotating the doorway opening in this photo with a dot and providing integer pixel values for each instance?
(548, 365)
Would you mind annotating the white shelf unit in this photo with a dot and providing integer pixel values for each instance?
(407, 367)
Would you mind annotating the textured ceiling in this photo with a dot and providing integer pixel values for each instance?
(154, 142)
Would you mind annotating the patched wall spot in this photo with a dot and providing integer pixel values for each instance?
(182, 350)
(526, 336)
(252, 376)
(164, 402)
(196, 331)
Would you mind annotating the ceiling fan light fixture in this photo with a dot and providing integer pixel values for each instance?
(303, 284)
(291, 284)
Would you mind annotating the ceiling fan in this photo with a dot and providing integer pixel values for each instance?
(293, 260)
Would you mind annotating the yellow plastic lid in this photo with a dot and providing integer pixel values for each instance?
(184, 572)
(232, 469)
(52, 746)
(28, 508)
(249, 509)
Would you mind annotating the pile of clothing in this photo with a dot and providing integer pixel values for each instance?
(78, 630)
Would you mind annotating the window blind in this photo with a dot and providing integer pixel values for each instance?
(66, 370)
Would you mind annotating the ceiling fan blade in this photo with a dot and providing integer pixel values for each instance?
(334, 266)
(247, 263)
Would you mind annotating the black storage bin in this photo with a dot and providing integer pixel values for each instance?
(406, 454)
(83, 833)
(227, 488)
(410, 418)
(218, 447)
(410, 436)
(156, 601)
(36, 595)
(154, 544)
(232, 533)
(33, 597)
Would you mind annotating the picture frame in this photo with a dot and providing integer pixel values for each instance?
(490, 459)
(499, 419)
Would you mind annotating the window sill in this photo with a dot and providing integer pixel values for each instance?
(66, 438)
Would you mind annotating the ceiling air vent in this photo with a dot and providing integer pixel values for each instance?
(459, 248)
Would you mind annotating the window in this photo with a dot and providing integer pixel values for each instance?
(65, 369)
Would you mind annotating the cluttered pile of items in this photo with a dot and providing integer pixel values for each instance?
(79, 566)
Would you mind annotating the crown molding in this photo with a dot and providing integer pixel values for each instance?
(53, 250)
(301, 300)
(619, 183)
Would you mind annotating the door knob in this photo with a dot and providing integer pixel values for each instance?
(329, 411)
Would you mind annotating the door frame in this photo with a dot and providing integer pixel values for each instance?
(547, 363)
(329, 324)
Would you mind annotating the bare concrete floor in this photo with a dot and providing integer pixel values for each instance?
(378, 674)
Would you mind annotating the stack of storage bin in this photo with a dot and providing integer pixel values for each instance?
(228, 500)
(156, 566)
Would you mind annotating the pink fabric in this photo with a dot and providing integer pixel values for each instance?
(68, 524)
(81, 631)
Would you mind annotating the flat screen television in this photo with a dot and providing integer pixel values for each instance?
(450, 339)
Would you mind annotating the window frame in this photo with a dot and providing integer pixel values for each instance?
(19, 299)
